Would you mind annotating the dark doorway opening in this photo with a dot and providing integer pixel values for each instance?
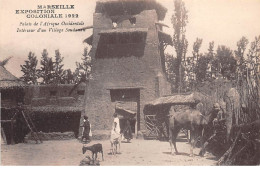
(129, 98)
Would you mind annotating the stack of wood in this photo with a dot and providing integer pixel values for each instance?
(239, 142)
(245, 149)
(244, 121)
(243, 126)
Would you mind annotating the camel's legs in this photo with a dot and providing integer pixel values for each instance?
(170, 141)
(194, 140)
(192, 143)
(175, 134)
(119, 146)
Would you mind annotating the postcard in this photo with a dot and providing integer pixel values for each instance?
(129, 82)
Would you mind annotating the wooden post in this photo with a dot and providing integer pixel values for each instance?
(138, 114)
(136, 128)
(189, 136)
(12, 132)
(3, 135)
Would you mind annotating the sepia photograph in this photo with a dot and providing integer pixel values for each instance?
(130, 83)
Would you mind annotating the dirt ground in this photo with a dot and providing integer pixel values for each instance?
(69, 153)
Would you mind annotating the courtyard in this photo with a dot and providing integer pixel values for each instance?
(69, 153)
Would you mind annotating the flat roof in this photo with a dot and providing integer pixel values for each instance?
(122, 88)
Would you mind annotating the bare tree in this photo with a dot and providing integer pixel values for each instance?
(82, 72)
(241, 48)
(196, 49)
(46, 71)
(254, 56)
(179, 20)
(192, 63)
(83, 69)
(225, 63)
(171, 65)
(58, 68)
(204, 70)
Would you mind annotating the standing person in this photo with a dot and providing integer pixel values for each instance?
(115, 132)
(115, 138)
(86, 129)
(128, 131)
(217, 114)
(216, 133)
(116, 125)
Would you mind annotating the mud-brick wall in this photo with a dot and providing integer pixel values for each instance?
(66, 95)
(124, 72)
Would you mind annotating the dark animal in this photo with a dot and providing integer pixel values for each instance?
(190, 119)
(94, 149)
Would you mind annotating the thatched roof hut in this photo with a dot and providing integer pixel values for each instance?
(9, 81)
(12, 93)
(190, 99)
(11, 88)
(54, 109)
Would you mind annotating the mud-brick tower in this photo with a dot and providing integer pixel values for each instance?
(127, 57)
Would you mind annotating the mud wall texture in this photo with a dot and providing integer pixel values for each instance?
(124, 72)
(58, 95)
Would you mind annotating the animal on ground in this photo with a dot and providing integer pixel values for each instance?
(190, 119)
(96, 148)
(115, 141)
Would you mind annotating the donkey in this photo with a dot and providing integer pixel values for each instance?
(190, 119)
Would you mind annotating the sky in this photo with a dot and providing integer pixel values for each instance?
(221, 21)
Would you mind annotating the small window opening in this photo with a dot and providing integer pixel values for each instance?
(53, 93)
(81, 92)
(114, 24)
(132, 20)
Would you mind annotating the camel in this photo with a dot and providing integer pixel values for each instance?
(190, 119)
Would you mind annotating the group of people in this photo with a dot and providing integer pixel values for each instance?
(115, 132)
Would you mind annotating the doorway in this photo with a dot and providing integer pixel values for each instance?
(128, 100)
